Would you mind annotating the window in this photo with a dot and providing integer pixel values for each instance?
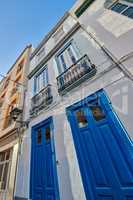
(123, 9)
(119, 7)
(128, 12)
(47, 134)
(83, 7)
(41, 80)
(39, 136)
(5, 160)
(67, 57)
(81, 119)
(97, 112)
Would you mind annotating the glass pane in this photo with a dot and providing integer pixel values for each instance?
(2, 156)
(5, 174)
(63, 62)
(47, 134)
(128, 12)
(1, 170)
(97, 112)
(71, 55)
(39, 136)
(119, 7)
(8, 155)
(81, 118)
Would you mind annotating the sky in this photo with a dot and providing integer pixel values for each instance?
(25, 22)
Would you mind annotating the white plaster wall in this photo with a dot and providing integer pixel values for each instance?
(50, 44)
(113, 30)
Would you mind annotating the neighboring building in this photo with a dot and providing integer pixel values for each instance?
(12, 89)
(79, 102)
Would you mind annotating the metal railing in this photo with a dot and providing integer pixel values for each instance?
(83, 68)
(41, 100)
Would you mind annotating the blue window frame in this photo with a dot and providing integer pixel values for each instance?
(119, 7)
(128, 12)
(68, 56)
(123, 9)
(41, 80)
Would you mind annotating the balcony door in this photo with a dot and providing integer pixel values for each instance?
(67, 57)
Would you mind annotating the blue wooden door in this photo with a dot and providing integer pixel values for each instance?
(43, 165)
(104, 149)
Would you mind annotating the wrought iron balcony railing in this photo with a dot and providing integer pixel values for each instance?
(41, 100)
(74, 75)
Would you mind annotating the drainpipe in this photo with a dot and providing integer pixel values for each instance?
(118, 63)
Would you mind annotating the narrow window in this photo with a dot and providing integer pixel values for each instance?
(41, 80)
(47, 134)
(71, 55)
(39, 136)
(5, 160)
(81, 119)
(63, 61)
(67, 57)
(97, 112)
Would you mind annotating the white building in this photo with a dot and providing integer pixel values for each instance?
(79, 102)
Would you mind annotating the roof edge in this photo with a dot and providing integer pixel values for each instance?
(53, 30)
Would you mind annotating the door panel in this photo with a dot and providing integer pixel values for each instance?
(43, 166)
(104, 150)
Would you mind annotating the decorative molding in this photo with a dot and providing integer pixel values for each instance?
(55, 49)
(46, 38)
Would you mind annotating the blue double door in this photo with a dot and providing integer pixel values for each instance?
(44, 184)
(104, 150)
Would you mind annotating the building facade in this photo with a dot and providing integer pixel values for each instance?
(79, 103)
(12, 89)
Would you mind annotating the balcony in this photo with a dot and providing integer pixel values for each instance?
(41, 100)
(83, 69)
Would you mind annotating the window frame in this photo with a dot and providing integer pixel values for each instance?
(77, 55)
(3, 164)
(45, 79)
(128, 4)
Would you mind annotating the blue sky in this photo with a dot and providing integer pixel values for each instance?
(24, 22)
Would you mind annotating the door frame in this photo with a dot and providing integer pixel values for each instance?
(105, 102)
(33, 128)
